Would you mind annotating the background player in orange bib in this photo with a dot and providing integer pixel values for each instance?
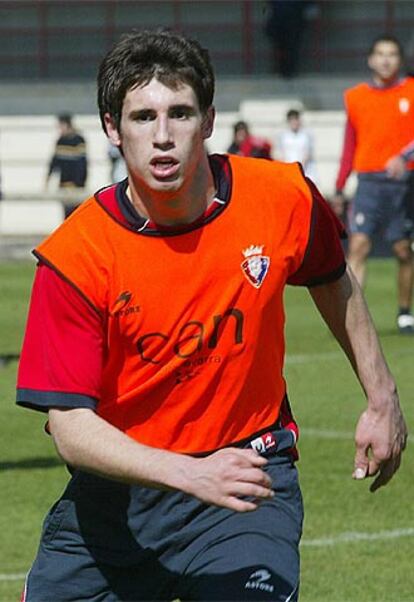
(379, 146)
(155, 343)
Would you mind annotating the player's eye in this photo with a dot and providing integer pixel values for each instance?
(144, 116)
(180, 113)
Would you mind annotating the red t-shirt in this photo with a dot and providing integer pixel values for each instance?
(64, 346)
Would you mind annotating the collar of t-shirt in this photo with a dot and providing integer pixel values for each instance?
(220, 167)
(394, 84)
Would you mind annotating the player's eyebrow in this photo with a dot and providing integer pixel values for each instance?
(149, 113)
(140, 113)
(185, 108)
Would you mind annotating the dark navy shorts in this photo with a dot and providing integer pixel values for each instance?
(105, 542)
(383, 205)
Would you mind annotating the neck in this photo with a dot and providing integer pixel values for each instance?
(385, 83)
(182, 206)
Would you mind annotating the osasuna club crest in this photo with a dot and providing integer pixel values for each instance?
(256, 265)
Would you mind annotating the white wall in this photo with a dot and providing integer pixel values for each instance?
(27, 143)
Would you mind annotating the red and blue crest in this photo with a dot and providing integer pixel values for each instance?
(256, 266)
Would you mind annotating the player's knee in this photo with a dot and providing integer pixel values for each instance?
(403, 252)
(359, 248)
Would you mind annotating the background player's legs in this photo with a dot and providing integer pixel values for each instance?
(359, 249)
(364, 220)
(399, 231)
(405, 279)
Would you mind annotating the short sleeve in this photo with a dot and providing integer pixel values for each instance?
(61, 358)
(324, 259)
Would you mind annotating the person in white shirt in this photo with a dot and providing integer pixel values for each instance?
(295, 143)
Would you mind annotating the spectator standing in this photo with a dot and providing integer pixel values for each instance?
(295, 143)
(176, 424)
(284, 27)
(245, 144)
(379, 146)
(69, 158)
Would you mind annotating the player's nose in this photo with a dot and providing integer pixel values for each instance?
(162, 132)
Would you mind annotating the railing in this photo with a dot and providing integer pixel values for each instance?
(52, 39)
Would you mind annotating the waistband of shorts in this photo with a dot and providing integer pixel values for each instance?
(274, 442)
(271, 440)
(383, 177)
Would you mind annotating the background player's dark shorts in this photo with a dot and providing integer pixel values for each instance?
(383, 205)
(108, 542)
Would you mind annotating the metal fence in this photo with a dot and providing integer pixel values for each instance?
(65, 39)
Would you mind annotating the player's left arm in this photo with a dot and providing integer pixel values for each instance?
(381, 431)
(396, 165)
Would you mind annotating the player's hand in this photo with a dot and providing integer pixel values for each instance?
(395, 167)
(380, 439)
(228, 476)
(337, 203)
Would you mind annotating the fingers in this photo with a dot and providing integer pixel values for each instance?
(257, 476)
(235, 498)
(246, 456)
(246, 476)
(395, 167)
(370, 467)
(252, 490)
(385, 473)
(234, 503)
(380, 438)
(233, 478)
(361, 463)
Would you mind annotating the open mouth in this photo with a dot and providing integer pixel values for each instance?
(164, 167)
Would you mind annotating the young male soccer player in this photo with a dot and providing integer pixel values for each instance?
(379, 145)
(155, 343)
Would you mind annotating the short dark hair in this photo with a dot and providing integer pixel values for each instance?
(293, 113)
(65, 118)
(385, 37)
(240, 125)
(140, 56)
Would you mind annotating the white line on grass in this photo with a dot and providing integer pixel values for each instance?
(352, 537)
(308, 358)
(330, 434)
(321, 434)
(347, 537)
(312, 358)
(325, 433)
(12, 576)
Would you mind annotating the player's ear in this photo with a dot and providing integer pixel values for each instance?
(111, 130)
(369, 61)
(208, 122)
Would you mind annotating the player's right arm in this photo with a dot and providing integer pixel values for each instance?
(345, 167)
(86, 441)
(59, 373)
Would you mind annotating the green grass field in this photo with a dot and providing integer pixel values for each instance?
(357, 546)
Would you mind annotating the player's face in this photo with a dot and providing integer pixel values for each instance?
(294, 123)
(385, 61)
(162, 135)
(240, 135)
